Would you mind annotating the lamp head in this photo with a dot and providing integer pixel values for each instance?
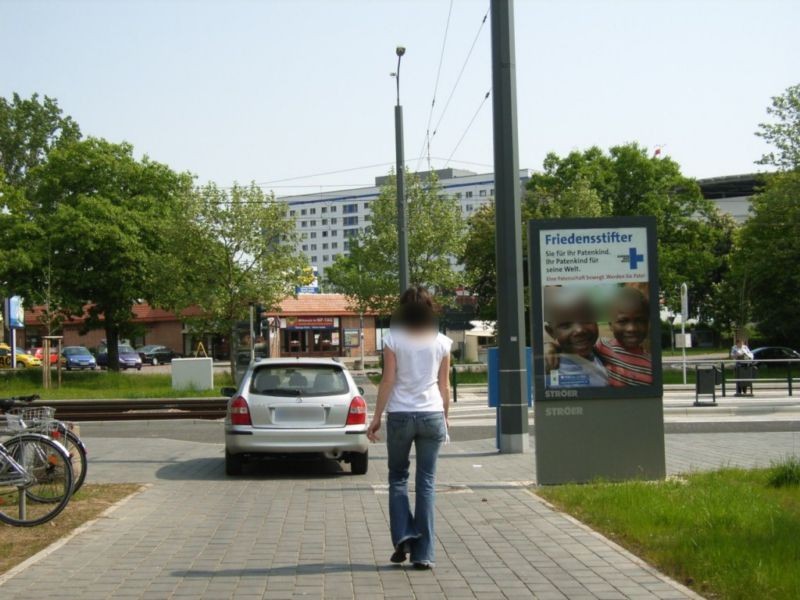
(400, 50)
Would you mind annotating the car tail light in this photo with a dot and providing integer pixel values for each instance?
(240, 412)
(357, 415)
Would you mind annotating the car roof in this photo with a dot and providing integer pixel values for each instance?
(300, 360)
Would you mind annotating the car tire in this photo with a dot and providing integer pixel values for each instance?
(359, 462)
(139, 367)
(233, 464)
(154, 362)
(68, 368)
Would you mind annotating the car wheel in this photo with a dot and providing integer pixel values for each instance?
(359, 462)
(154, 362)
(69, 368)
(233, 464)
(138, 367)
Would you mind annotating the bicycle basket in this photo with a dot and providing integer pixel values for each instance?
(34, 413)
(11, 423)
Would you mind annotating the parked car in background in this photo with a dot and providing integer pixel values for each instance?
(128, 357)
(77, 357)
(781, 356)
(38, 352)
(153, 354)
(23, 358)
(295, 407)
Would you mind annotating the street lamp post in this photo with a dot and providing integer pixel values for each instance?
(402, 226)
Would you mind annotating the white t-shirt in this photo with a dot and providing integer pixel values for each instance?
(416, 387)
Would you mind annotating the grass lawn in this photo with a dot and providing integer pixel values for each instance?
(19, 543)
(727, 534)
(102, 384)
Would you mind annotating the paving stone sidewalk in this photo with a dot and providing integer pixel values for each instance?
(300, 530)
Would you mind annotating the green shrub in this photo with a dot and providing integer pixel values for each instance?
(785, 473)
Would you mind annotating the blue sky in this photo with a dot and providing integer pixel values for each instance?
(271, 90)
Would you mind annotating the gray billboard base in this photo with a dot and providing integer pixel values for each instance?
(580, 441)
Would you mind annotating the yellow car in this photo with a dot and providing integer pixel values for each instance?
(23, 359)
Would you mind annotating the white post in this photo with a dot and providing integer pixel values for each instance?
(684, 317)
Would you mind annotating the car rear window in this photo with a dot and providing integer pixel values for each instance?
(295, 380)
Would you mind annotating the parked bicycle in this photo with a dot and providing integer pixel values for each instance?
(36, 477)
(41, 419)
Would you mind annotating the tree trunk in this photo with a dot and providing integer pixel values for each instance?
(112, 346)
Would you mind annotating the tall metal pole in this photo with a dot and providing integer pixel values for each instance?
(512, 381)
(402, 226)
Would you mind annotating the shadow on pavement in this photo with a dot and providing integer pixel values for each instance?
(293, 570)
(213, 469)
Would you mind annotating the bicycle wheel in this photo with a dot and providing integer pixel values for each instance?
(50, 488)
(77, 453)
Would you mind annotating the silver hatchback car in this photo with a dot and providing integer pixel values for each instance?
(294, 406)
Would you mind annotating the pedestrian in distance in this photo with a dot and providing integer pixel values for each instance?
(742, 354)
(415, 392)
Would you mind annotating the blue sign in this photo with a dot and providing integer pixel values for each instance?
(15, 312)
(307, 289)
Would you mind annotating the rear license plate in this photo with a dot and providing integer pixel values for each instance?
(302, 415)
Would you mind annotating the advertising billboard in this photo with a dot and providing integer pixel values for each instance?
(594, 297)
(15, 313)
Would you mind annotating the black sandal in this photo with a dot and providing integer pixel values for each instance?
(401, 551)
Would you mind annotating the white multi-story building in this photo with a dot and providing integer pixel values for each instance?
(327, 221)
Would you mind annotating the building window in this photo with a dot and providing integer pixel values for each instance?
(313, 234)
(334, 233)
(366, 205)
(469, 194)
(324, 221)
(346, 245)
(305, 235)
(482, 193)
(333, 209)
(325, 246)
(347, 221)
(368, 217)
(491, 192)
(313, 259)
(349, 208)
(313, 247)
(333, 221)
(324, 209)
(305, 247)
(335, 245)
(303, 223)
(325, 233)
(313, 211)
(303, 211)
(325, 258)
(458, 195)
(349, 233)
(313, 223)
(291, 213)
(469, 207)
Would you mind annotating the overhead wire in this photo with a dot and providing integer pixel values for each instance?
(460, 74)
(435, 89)
(469, 125)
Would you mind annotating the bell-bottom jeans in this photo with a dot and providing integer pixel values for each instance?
(426, 430)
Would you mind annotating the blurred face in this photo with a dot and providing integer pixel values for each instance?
(574, 328)
(630, 325)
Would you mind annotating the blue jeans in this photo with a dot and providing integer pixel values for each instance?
(426, 430)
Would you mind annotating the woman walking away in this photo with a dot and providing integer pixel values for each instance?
(415, 391)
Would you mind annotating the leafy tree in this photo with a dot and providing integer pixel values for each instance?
(768, 256)
(29, 129)
(234, 249)
(436, 233)
(785, 133)
(96, 218)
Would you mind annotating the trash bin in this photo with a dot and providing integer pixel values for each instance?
(744, 371)
(706, 380)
